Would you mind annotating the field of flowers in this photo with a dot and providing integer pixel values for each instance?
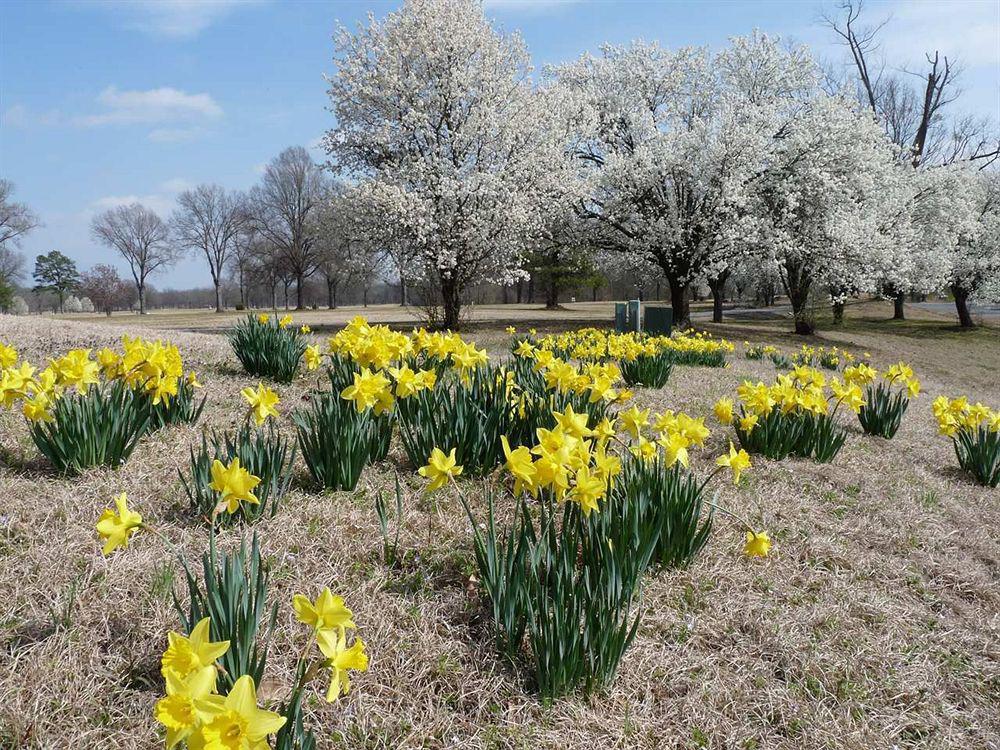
(379, 538)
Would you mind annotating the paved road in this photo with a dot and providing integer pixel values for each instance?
(782, 311)
(984, 311)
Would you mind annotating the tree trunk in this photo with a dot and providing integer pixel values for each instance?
(142, 298)
(679, 304)
(451, 303)
(551, 295)
(962, 305)
(898, 313)
(331, 295)
(531, 290)
(838, 313)
(520, 291)
(402, 291)
(298, 292)
(718, 287)
(218, 297)
(364, 297)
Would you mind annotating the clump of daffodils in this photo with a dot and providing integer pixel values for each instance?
(153, 368)
(759, 351)
(886, 396)
(592, 344)
(795, 415)
(975, 433)
(193, 711)
(829, 359)
(329, 620)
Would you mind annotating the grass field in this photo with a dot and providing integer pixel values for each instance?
(875, 622)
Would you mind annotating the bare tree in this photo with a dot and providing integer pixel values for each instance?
(141, 237)
(914, 119)
(16, 219)
(106, 289)
(241, 259)
(282, 207)
(210, 220)
(11, 266)
(333, 246)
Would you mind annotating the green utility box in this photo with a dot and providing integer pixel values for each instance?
(658, 320)
(628, 316)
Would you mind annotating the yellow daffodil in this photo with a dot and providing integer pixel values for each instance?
(439, 469)
(511, 330)
(234, 483)
(238, 723)
(312, 357)
(736, 461)
(262, 402)
(724, 410)
(586, 490)
(305, 330)
(116, 527)
(519, 463)
(758, 544)
(192, 379)
(748, 422)
(285, 321)
(328, 612)
(186, 655)
(189, 702)
(634, 420)
(263, 318)
(340, 659)
(8, 356)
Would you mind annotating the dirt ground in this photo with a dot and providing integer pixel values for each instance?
(875, 622)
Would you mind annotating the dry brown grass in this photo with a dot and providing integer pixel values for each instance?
(875, 622)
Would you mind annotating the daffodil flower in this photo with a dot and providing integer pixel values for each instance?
(239, 723)
(439, 469)
(340, 659)
(234, 483)
(116, 527)
(327, 613)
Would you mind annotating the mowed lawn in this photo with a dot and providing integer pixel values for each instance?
(875, 622)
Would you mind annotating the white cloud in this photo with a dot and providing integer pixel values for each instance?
(175, 19)
(164, 104)
(22, 116)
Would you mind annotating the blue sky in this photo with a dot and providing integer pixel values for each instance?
(108, 102)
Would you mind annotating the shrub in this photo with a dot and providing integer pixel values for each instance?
(233, 594)
(99, 427)
(264, 453)
(266, 348)
(335, 440)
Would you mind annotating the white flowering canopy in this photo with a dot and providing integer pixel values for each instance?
(673, 143)
(449, 143)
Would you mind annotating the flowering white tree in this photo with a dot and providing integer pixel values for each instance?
(820, 215)
(975, 266)
(438, 121)
(673, 141)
